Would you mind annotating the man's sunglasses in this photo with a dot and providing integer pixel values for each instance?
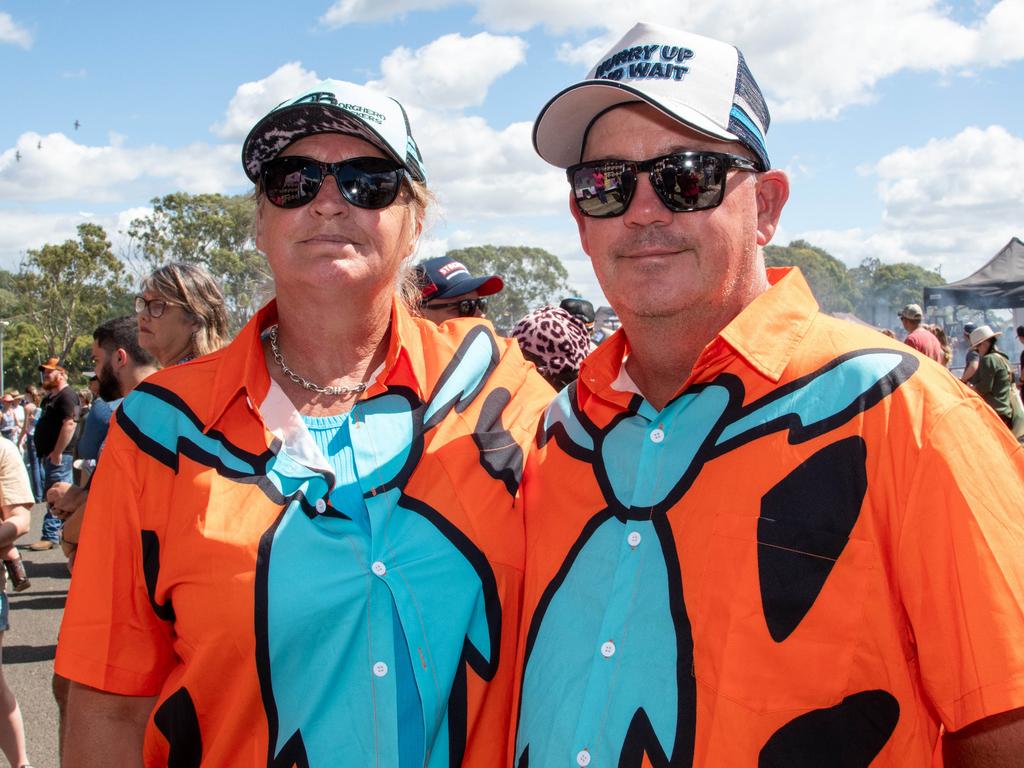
(467, 307)
(366, 182)
(155, 307)
(684, 181)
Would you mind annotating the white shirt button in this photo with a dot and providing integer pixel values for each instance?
(379, 568)
(634, 538)
(380, 669)
(608, 649)
(583, 757)
(321, 506)
(657, 435)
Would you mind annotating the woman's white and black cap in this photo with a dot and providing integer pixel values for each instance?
(334, 106)
(703, 83)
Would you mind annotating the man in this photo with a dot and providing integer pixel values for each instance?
(54, 430)
(972, 359)
(448, 290)
(121, 365)
(756, 535)
(919, 338)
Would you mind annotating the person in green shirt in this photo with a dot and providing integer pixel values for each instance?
(994, 379)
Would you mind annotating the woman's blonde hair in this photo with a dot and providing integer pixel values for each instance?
(192, 287)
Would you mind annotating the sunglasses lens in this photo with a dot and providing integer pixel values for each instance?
(369, 182)
(602, 189)
(690, 182)
(290, 182)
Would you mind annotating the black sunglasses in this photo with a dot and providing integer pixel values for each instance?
(684, 181)
(467, 307)
(366, 182)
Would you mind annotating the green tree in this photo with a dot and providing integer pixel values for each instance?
(66, 290)
(886, 288)
(213, 231)
(533, 277)
(828, 277)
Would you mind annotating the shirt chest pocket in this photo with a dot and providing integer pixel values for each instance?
(780, 614)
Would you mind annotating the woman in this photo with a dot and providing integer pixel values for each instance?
(181, 314)
(555, 341)
(302, 549)
(994, 379)
(33, 397)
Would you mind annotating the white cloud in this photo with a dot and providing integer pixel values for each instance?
(54, 167)
(949, 205)
(254, 99)
(452, 72)
(814, 58)
(13, 33)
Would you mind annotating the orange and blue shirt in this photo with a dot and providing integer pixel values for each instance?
(284, 616)
(813, 555)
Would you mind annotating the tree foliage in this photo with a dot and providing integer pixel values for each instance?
(213, 231)
(884, 289)
(533, 277)
(66, 290)
(826, 275)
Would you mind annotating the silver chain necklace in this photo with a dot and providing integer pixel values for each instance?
(305, 383)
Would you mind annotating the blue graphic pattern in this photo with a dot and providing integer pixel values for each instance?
(622, 573)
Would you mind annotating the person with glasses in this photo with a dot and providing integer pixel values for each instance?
(448, 290)
(303, 549)
(756, 534)
(181, 314)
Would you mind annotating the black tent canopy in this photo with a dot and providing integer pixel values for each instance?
(997, 285)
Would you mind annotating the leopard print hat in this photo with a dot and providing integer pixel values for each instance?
(555, 337)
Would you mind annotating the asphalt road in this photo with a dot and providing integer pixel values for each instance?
(30, 644)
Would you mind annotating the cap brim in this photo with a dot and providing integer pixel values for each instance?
(287, 125)
(484, 286)
(562, 124)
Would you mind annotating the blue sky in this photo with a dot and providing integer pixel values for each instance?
(901, 122)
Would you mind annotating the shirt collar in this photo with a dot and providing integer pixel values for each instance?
(765, 335)
(243, 366)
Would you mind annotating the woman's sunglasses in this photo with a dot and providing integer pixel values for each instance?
(366, 182)
(467, 307)
(684, 181)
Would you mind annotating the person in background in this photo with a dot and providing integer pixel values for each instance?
(757, 535)
(448, 290)
(181, 314)
(1020, 370)
(940, 334)
(582, 310)
(35, 471)
(15, 517)
(971, 357)
(918, 337)
(994, 379)
(54, 430)
(8, 418)
(555, 341)
(303, 549)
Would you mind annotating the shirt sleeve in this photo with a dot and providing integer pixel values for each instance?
(960, 565)
(14, 483)
(111, 637)
(95, 430)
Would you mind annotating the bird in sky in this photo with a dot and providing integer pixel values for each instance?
(77, 124)
(17, 156)
(39, 145)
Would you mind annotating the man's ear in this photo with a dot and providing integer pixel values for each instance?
(772, 194)
(120, 358)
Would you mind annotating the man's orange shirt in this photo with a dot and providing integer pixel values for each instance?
(814, 555)
(221, 570)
